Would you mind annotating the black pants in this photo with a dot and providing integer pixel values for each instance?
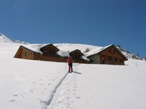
(70, 69)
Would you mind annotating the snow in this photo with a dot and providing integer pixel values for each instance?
(33, 47)
(63, 53)
(30, 84)
(71, 47)
(5, 39)
(96, 51)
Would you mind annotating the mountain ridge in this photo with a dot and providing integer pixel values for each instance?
(5, 39)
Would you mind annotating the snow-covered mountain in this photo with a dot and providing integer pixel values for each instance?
(129, 54)
(4, 38)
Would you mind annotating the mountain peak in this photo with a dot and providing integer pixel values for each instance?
(4, 38)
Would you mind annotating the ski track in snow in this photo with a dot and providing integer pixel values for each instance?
(47, 103)
(66, 94)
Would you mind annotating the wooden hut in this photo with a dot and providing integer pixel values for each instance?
(26, 53)
(77, 56)
(48, 52)
(49, 49)
(107, 55)
(104, 55)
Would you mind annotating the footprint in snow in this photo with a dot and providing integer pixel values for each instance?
(31, 90)
(12, 100)
(45, 89)
(78, 97)
(74, 93)
(68, 106)
(33, 82)
(15, 95)
(59, 102)
(74, 89)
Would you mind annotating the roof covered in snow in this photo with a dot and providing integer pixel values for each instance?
(97, 50)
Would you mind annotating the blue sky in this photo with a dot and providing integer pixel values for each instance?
(95, 22)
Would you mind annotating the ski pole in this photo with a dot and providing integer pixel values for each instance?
(75, 68)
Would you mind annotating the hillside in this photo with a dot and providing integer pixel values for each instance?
(27, 84)
(5, 39)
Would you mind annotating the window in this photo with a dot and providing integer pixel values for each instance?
(26, 53)
(116, 59)
(103, 55)
(114, 51)
(121, 60)
(110, 58)
(109, 50)
(75, 56)
(48, 53)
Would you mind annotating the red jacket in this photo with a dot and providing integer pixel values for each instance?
(69, 60)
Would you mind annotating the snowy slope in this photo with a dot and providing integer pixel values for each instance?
(5, 39)
(103, 87)
(27, 84)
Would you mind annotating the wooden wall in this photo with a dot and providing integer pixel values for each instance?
(112, 56)
(95, 59)
(25, 53)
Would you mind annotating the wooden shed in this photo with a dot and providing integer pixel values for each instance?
(26, 53)
(77, 56)
(49, 49)
(48, 52)
(107, 55)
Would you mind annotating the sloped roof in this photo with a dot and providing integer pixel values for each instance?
(97, 50)
(32, 47)
(71, 47)
(63, 53)
(66, 53)
(36, 47)
(77, 51)
(49, 46)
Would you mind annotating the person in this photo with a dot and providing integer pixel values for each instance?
(103, 60)
(70, 62)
